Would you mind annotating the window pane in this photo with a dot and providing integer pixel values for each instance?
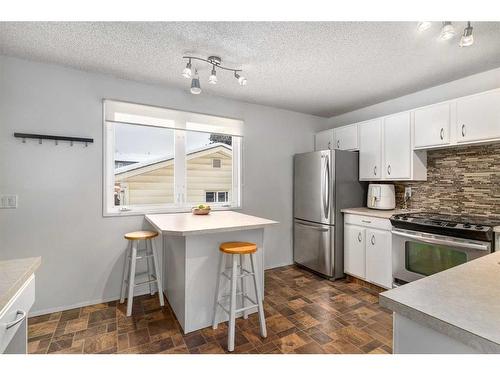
(144, 165)
(209, 164)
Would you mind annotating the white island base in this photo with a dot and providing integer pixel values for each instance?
(190, 259)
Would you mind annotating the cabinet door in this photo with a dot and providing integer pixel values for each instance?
(397, 147)
(432, 126)
(323, 140)
(354, 250)
(379, 257)
(370, 150)
(478, 117)
(346, 138)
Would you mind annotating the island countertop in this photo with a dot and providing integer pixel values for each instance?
(462, 302)
(184, 224)
(13, 274)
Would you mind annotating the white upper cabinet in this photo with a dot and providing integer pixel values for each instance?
(370, 150)
(397, 147)
(346, 138)
(432, 125)
(478, 117)
(324, 140)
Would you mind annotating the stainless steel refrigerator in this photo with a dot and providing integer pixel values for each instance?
(324, 183)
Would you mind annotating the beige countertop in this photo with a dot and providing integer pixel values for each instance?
(365, 211)
(462, 302)
(13, 274)
(184, 224)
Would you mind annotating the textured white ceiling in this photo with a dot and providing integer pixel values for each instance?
(322, 68)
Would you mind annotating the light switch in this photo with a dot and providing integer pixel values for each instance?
(8, 201)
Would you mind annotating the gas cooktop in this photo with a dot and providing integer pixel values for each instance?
(479, 228)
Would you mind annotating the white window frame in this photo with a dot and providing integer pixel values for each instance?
(182, 122)
(216, 196)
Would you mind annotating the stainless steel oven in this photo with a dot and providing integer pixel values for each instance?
(419, 254)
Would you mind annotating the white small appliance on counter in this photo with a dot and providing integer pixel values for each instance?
(381, 197)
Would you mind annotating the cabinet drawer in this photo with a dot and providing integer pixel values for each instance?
(368, 221)
(18, 306)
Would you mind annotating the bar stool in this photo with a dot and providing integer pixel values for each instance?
(237, 251)
(133, 255)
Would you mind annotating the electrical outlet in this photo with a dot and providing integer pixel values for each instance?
(408, 192)
(8, 201)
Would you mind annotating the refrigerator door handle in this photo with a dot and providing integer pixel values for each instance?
(326, 188)
(321, 229)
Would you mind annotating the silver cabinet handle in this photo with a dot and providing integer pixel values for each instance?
(389, 169)
(359, 237)
(375, 170)
(441, 134)
(18, 320)
(366, 221)
(338, 143)
(463, 130)
(373, 239)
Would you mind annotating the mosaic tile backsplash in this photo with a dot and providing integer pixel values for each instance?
(462, 180)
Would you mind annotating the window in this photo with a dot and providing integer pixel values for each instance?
(162, 160)
(216, 196)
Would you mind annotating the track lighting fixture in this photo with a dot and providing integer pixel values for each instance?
(186, 73)
(467, 38)
(216, 63)
(195, 84)
(423, 25)
(447, 31)
(241, 80)
(213, 77)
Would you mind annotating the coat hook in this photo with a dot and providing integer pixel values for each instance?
(57, 142)
(24, 140)
(71, 143)
(86, 144)
(40, 141)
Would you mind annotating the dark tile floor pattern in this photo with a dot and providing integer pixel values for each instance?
(304, 314)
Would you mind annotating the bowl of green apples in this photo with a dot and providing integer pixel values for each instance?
(201, 209)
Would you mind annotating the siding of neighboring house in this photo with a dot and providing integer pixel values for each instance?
(154, 184)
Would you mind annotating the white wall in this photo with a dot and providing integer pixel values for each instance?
(469, 85)
(60, 194)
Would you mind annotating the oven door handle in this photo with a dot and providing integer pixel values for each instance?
(438, 241)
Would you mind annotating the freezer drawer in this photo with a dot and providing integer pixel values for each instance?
(313, 246)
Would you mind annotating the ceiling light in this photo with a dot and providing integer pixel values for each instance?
(195, 84)
(447, 31)
(213, 77)
(186, 73)
(467, 37)
(241, 80)
(423, 25)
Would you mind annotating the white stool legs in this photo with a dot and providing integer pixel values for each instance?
(129, 272)
(233, 281)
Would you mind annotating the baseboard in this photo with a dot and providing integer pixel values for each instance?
(80, 304)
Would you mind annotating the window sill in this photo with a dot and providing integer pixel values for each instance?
(142, 212)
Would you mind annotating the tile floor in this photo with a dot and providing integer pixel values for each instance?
(305, 314)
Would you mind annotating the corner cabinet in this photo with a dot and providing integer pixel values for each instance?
(368, 249)
(323, 140)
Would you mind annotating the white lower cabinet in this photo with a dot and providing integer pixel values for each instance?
(354, 250)
(368, 249)
(379, 257)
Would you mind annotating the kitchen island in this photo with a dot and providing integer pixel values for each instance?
(454, 311)
(190, 257)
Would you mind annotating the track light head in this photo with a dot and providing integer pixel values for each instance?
(241, 80)
(467, 38)
(187, 72)
(447, 31)
(195, 84)
(213, 77)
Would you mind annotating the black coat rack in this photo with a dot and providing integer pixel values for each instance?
(55, 138)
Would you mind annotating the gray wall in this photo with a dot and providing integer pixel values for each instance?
(469, 85)
(60, 187)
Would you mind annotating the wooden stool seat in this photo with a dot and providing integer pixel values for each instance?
(141, 235)
(238, 247)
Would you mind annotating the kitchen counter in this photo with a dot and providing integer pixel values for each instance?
(184, 224)
(13, 274)
(383, 214)
(461, 303)
(190, 257)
